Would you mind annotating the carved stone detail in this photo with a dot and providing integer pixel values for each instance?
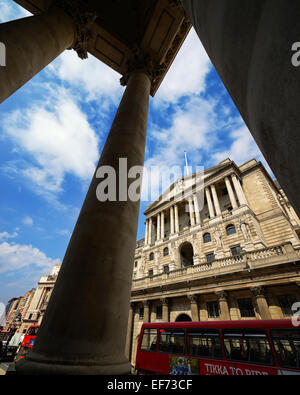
(83, 19)
(222, 295)
(258, 291)
(164, 301)
(193, 298)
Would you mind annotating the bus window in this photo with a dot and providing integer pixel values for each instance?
(248, 346)
(149, 340)
(171, 341)
(204, 343)
(287, 347)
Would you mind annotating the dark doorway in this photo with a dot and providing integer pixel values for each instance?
(186, 255)
(183, 318)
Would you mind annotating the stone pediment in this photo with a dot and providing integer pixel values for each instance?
(183, 187)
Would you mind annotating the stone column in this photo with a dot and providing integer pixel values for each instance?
(209, 203)
(150, 232)
(223, 305)
(162, 225)
(158, 232)
(216, 200)
(231, 193)
(34, 42)
(146, 311)
(84, 328)
(239, 191)
(172, 229)
(261, 303)
(129, 332)
(165, 309)
(176, 218)
(146, 232)
(194, 307)
(197, 210)
(191, 210)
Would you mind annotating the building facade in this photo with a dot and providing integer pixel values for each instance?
(226, 250)
(39, 302)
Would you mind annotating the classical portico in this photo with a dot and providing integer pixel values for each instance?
(179, 212)
(97, 265)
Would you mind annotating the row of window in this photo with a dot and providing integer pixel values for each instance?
(230, 230)
(248, 345)
(245, 306)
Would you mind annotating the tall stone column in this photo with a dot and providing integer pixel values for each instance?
(209, 203)
(162, 225)
(146, 232)
(239, 191)
(158, 232)
(223, 305)
(165, 309)
(172, 228)
(194, 307)
(192, 214)
(231, 193)
(34, 42)
(146, 311)
(176, 214)
(197, 211)
(84, 328)
(216, 200)
(261, 303)
(129, 331)
(150, 232)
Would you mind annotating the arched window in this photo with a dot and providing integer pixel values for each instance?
(166, 251)
(151, 257)
(230, 230)
(207, 238)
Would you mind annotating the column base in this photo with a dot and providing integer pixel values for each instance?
(28, 367)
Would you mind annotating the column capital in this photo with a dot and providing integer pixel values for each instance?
(222, 295)
(141, 61)
(193, 298)
(258, 291)
(164, 301)
(83, 19)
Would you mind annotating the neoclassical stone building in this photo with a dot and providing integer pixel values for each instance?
(227, 250)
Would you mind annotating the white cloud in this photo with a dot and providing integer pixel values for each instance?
(188, 72)
(91, 75)
(58, 139)
(242, 149)
(27, 221)
(6, 235)
(14, 257)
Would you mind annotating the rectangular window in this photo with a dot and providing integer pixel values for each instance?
(250, 346)
(210, 257)
(287, 347)
(213, 309)
(171, 341)
(158, 312)
(237, 250)
(166, 269)
(204, 343)
(246, 308)
(141, 313)
(149, 340)
(286, 302)
(150, 273)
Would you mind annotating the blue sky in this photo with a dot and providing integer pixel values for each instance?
(52, 133)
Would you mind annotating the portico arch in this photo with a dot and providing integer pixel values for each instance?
(183, 318)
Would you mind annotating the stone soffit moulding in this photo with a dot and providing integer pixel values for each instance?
(157, 27)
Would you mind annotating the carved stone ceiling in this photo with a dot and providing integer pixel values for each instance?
(158, 27)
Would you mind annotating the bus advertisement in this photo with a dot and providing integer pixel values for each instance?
(219, 348)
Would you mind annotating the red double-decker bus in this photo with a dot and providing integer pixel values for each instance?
(28, 342)
(219, 348)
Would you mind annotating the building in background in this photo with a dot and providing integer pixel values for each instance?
(227, 250)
